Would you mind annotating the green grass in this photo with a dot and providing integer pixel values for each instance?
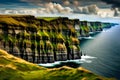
(11, 21)
(47, 18)
(63, 73)
(12, 68)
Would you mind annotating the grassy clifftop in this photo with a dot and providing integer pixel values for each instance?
(13, 68)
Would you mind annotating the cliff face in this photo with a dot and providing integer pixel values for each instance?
(86, 27)
(44, 39)
(37, 39)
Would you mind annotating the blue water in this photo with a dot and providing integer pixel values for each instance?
(105, 46)
(102, 54)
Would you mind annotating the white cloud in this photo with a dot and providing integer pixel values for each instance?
(54, 8)
(57, 8)
(66, 2)
(93, 9)
(85, 10)
(76, 3)
(105, 13)
(48, 9)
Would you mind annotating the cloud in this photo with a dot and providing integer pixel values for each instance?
(105, 13)
(66, 2)
(49, 8)
(57, 8)
(71, 3)
(95, 10)
(76, 2)
(65, 7)
(91, 9)
(85, 10)
(54, 8)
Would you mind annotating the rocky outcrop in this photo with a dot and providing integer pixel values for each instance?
(87, 27)
(38, 40)
(44, 39)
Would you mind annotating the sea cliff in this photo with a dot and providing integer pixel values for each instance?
(44, 39)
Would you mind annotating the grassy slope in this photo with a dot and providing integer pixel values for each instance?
(11, 21)
(48, 18)
(12, 68)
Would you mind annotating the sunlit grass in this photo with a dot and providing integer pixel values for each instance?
(12, 68)
(47, 18)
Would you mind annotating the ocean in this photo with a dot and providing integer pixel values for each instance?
(102, 54)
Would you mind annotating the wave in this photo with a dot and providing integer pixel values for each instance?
(106, 30)
(88, 57)
(76, 62)
(86, 37)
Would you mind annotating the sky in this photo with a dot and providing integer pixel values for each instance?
(69, 8)
(42, 3)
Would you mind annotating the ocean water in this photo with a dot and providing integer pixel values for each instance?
(102, 51)
(105, 46)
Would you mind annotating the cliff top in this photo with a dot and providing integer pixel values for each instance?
(48, 18)
(3, 16)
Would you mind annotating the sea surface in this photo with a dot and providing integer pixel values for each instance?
(102, 53)
(105, 46)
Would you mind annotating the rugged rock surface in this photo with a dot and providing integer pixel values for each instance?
(39, 40)
(44, 39)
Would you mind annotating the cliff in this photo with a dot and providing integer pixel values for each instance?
(39, 40)
(13, 68)
(44, 39)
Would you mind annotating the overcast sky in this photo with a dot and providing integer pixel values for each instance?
(101, 8)
(35, 3)
(26, 3)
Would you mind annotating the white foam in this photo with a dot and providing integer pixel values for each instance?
(87, 57)
(106, 30)
(86, 37)
(84, 59)
(50, 64)
(76, 61)
(47, 64)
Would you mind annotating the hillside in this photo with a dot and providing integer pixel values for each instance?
(13, 68)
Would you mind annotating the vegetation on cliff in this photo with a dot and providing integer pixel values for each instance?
(44, 39)
(35, 39)
(13, 68)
